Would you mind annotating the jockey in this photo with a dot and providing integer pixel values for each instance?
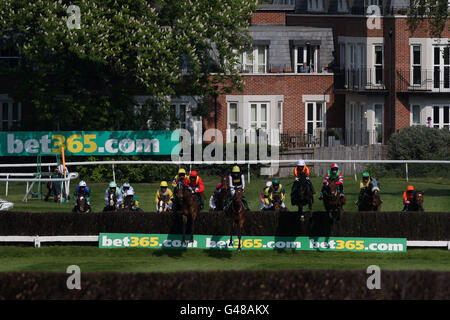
(195, 183)
(236, 179)
(212, 199)
(263, 196)
(113, 188)
(367, 182)
(181, 176)
(124, 188)
(275, 189)
(408, 196)
(135, 200)
(162, 192)
(302, 168)
(83, 189)
(334, 174)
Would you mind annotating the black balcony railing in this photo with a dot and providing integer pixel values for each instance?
(361, 79)
(422, 80)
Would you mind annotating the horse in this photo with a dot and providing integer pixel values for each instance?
(333, 201)
(82, 206)
(128, 204)
(186, 203)
(236, 211)
(416, 203)
(303, 196)
(112, 199)
(370, 200)
(277, 203)
(162, 205)
(222, 195)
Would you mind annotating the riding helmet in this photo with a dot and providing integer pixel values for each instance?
(82, 184)
(301, 163)
(112, 184)
(236, 169)
(410, 188)
(366, 174)
(163, 184)
(182, 171)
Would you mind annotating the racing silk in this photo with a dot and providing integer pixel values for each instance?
(160, 195)
(118, 196)
(270, 192)
(371, 183)
(87, 193)
(197, 184)
(176, 179)
(407, 197)
(338, 177)
(234, 182)
(262, 195)
(123, 192)
(305, 171)
(135, 201)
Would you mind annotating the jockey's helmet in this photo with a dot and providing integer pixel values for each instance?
(366, 175)
(410, 188)
(163, 184)
(126, 185)
(301, 163)
(268, 184)
(334, 166)
(130, 192)
(112, 184)
(276, 182)
(181, 171)
(219, 185)
(236, 169)
(82, 183)
(193, 174)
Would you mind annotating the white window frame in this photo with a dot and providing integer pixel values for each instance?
(412, 108)
(254, 64)
(280, 116)
(314, 54)
(315, 121)
(442, 67)
(229, 103)
(375, 124)
(342, 6)
(177, 105)
(315, 5)
(258, 115)
(441, 123)
(413, 65)
(10, 121)
(375, 65)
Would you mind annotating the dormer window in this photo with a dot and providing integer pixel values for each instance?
(342, 6)
(315, 5)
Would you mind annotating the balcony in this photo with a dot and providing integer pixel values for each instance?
(276, 5)
(361, 79)
(418, 80)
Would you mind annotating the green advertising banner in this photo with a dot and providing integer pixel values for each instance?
(173, 241)
(84, 143)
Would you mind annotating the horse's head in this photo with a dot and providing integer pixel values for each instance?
(419, 197)
(82, 202)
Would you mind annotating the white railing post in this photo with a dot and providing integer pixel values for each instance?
(406, 167)
(114, 173)
(7, 182)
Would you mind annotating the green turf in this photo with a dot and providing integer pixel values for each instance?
(437, 194)
(92, 259)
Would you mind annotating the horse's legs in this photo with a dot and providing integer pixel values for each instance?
(192, 228)
(241, 225)
(184, 227)
(231, 233)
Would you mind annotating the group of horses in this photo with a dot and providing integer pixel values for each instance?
(112, 206)
(187, 205)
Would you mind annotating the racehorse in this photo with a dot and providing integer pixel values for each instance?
(112, 202)
(416, 203)
(370, 200)
(303, 196)
(236, 211)
(277, 203)
(162, 205)
(187, 204)
(128, 204)
(82, 206)
(333, 201)
(222, 195)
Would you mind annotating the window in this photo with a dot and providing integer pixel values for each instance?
(441, 116)
(416, 65)
(178, 115)
(306, 58)
(254, 60)
(415, 115)
(342, 6)
(315, 116)
(10, 114)
(233, 115)
(280, 116)
(342, 56)
(258, 115)
(8, 54)
(378, 123)
(315, 5)
(378, 64)
(441, 67)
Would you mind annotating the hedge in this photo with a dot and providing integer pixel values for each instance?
(412, 225)
(229, 285)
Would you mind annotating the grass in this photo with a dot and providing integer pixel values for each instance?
(92, 259)
(437, 194)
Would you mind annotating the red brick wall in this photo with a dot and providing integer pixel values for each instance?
(268, 18)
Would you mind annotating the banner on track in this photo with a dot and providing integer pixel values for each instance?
(84, 143)
(172, 241)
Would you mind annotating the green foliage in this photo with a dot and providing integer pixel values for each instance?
(86, 78)
(435, 11)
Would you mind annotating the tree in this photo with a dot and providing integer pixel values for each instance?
(434, 11)
(81, 68)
